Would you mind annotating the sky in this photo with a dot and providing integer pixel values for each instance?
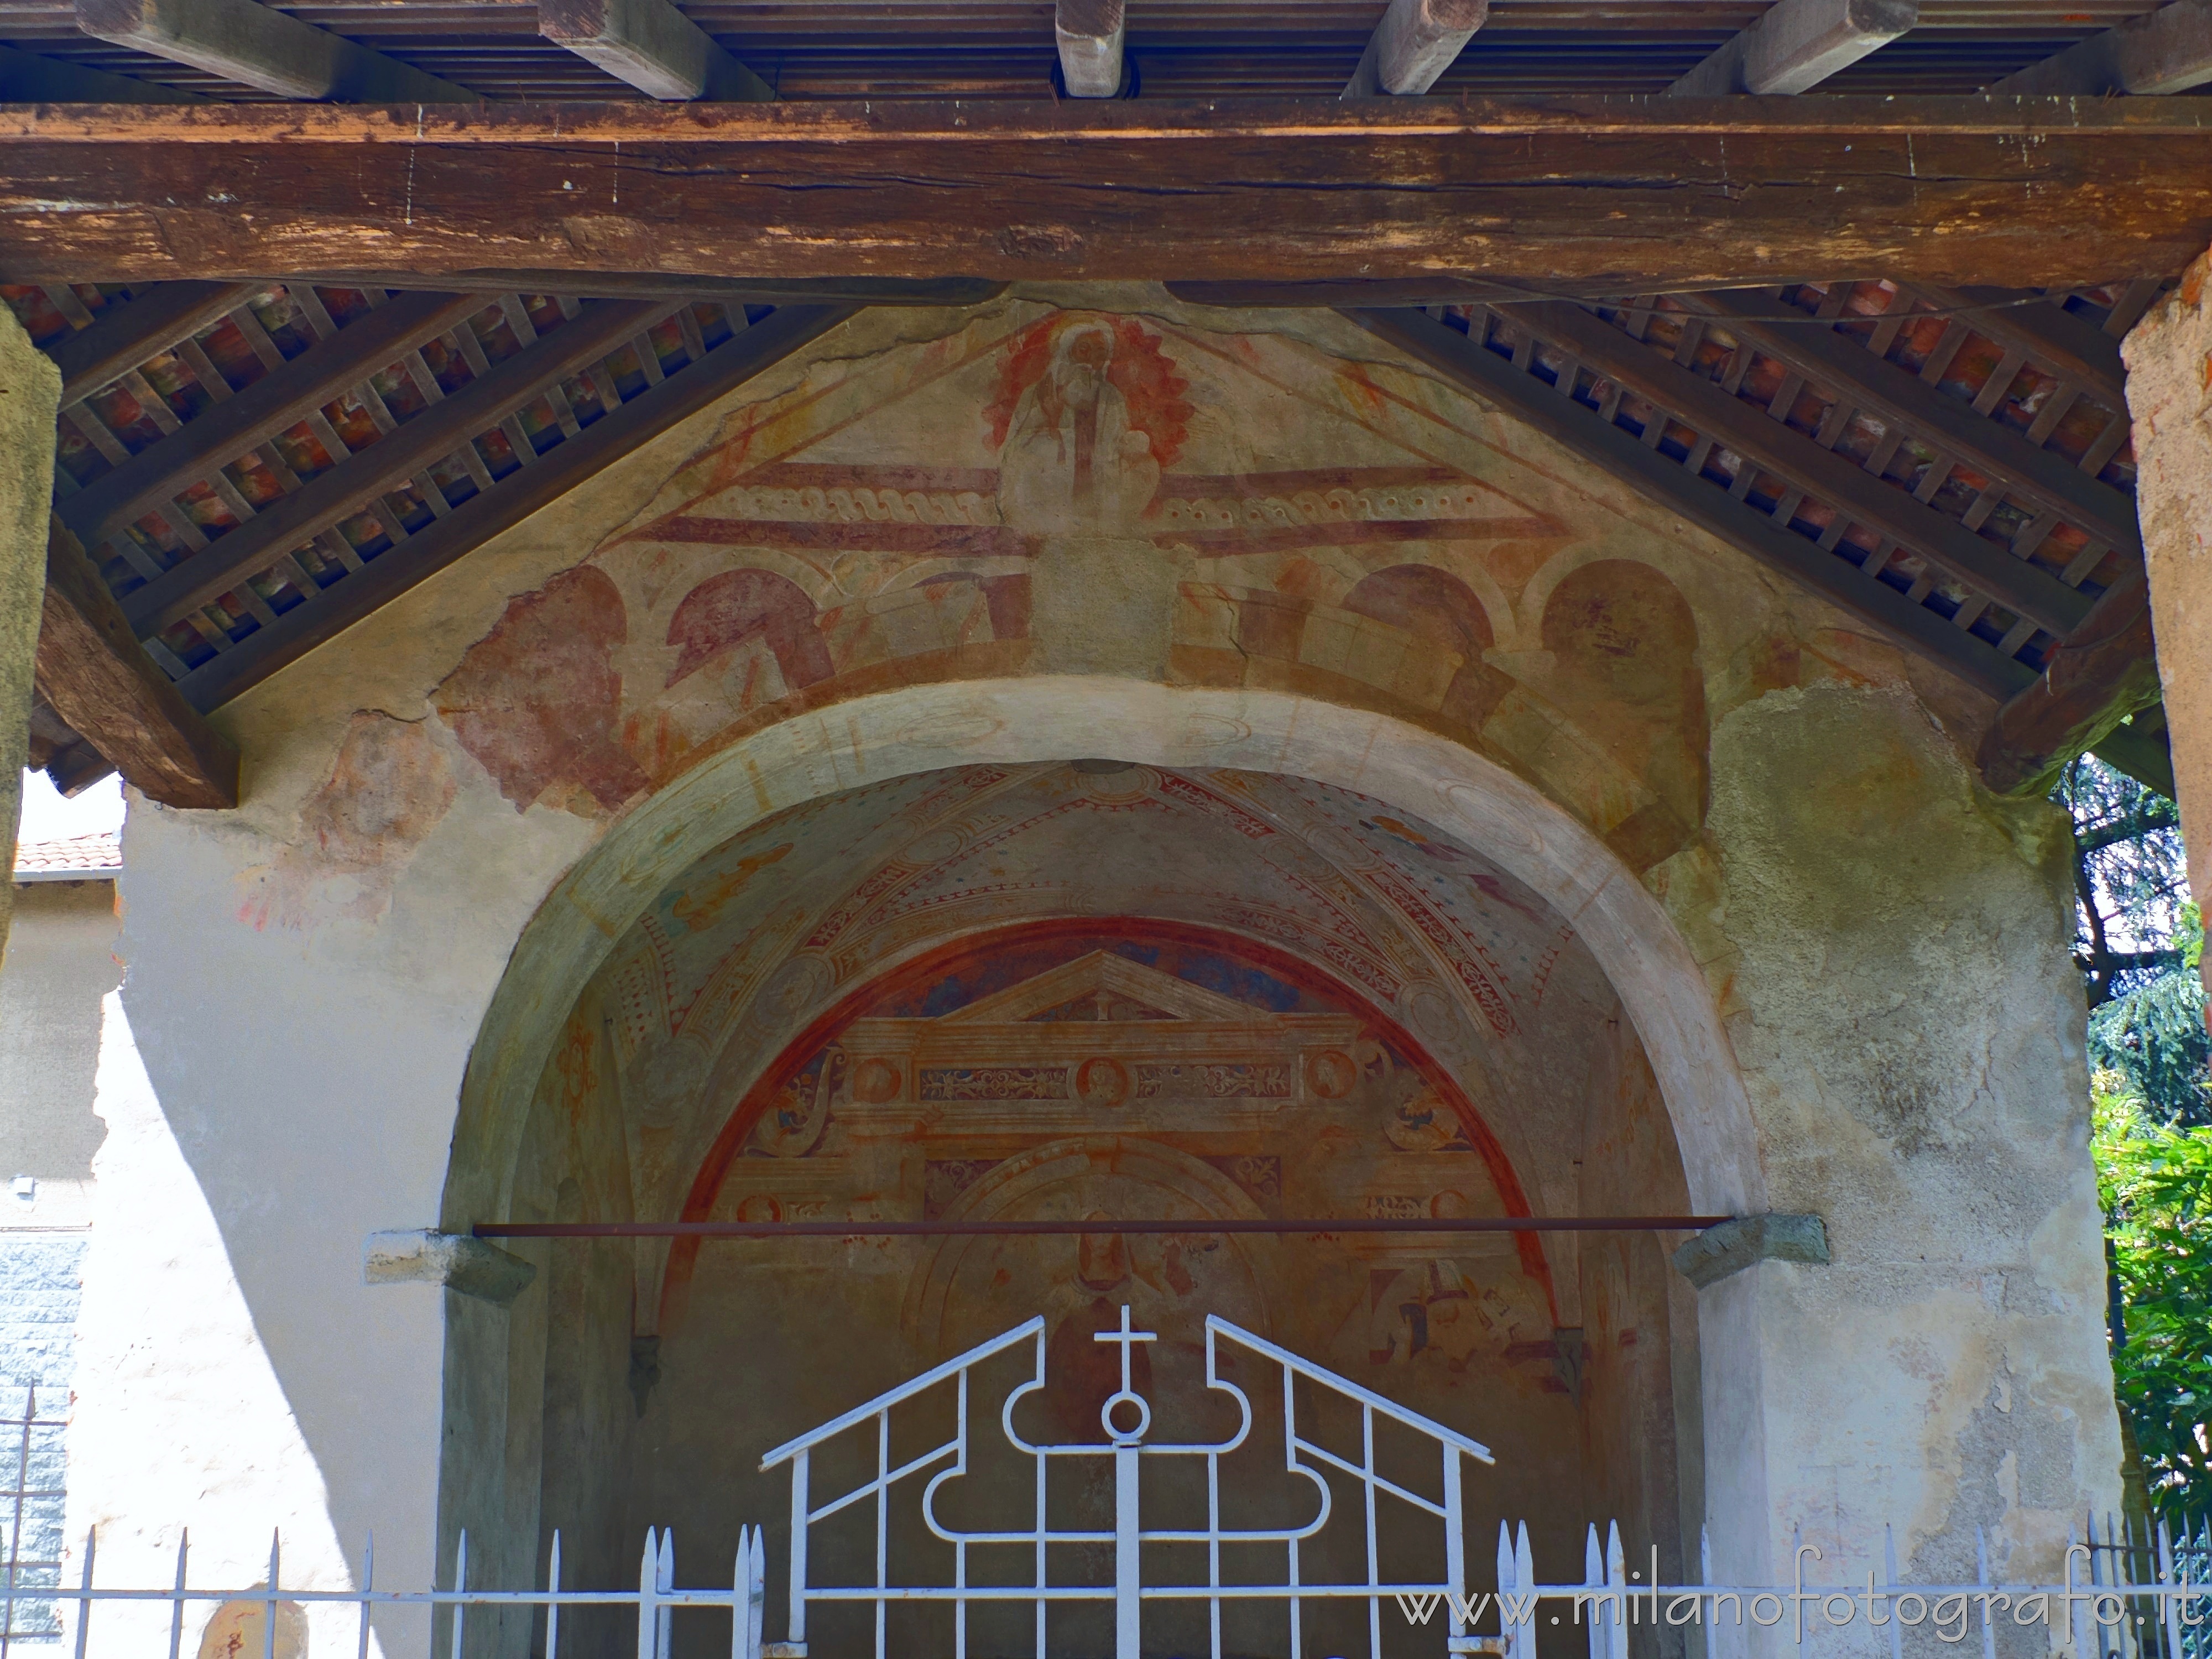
(50, 816)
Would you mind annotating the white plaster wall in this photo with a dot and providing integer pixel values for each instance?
(60, 963)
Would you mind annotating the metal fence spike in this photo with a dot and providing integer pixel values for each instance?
(368, 1590)
(177, 1604)
(84, 1603)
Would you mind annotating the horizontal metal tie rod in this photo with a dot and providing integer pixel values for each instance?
(1506, 1223)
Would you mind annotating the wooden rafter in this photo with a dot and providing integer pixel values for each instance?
(259, 46)
(652, 47)
(686, 389)
(2164, 51)
(1797, 43)
(330, 498)
(1647, 447)
(281, 399)
(92, 674)
(1649, 194)
(1413, 45)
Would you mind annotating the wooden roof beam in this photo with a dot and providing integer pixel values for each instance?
(1898, 398)
(1798, 44)
(259, 46)
(1751, 431)
(122, 336)
(1497, 381)
(2102, 673)
(26, 77)
(1641, 193)
(1413, 45)
(681, 393)
(93, 673)
(151, 479)
(1088, 34)
(654, 47)
(2167, 50)
(330, 498)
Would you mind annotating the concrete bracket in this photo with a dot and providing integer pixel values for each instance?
(1719, 1252)
(457, 1260)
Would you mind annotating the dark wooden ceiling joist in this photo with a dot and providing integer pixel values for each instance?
(640, 418)
(2166, 51)
(1797, 43)
(328, 499)
(1716, 413)
(150, 480)
(261, 47)
(1898, 398)
(1573, 375)
(1507, 382)
(124, 336)
(652, 47)
(1651, 194)
(91, 673)
(29, 77)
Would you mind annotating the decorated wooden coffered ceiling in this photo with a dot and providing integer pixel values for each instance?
(315, 350)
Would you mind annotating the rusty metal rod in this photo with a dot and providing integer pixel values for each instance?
(1506, 1223)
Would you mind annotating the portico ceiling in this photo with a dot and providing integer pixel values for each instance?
(254, 461)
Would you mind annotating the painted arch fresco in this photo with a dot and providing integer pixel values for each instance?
(889, 523)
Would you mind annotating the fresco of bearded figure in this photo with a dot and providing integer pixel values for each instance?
(1071, 460)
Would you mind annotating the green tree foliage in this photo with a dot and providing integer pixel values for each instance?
(2155, 1180)
(2138, 939)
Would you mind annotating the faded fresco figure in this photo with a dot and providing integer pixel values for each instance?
(1072, 459)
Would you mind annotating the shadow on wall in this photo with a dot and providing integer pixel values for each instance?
(60, 963)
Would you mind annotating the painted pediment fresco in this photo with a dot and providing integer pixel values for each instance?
(1048, 490)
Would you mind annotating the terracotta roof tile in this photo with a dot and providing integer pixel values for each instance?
(80, 858)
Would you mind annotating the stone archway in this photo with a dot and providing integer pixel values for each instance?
(872, 738)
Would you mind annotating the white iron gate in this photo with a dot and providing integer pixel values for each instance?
(1126, 1417)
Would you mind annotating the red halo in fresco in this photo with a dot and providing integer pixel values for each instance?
(1139, 371)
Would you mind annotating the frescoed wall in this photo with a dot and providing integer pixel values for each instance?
(1086, 622)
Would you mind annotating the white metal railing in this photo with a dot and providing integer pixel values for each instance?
(2127, 1593)
(1125, 1418)
(2114, 1615)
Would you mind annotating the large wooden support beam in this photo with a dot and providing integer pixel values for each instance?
(1413, 45)
(2167, 50)
(1797, 43)
(26, 77)
(124, 336)
(1496, 381)
(1088, 34)
(1898, 398)
(683, 392)
(654, 47)
(2102, 672)
(1653, 194)
(931, 291)
(150, 480)
(94, 674)
(259, 46)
